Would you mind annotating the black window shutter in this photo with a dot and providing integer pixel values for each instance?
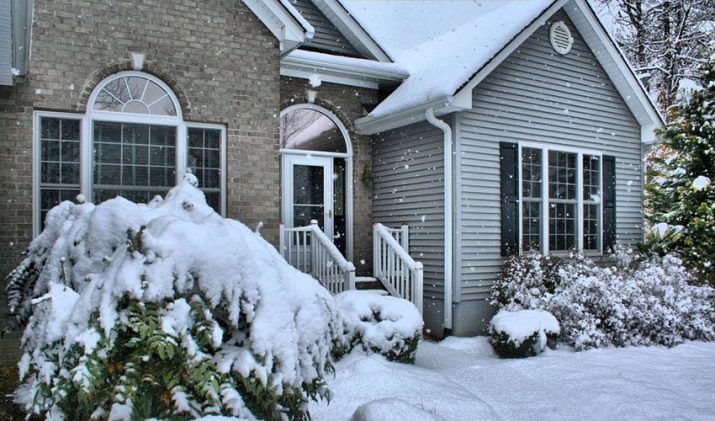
(609, 202)
(509, 198)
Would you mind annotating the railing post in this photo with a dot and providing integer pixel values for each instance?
(282, 242)
(349, 280)
(417, 289)
(404, 238)
(375, 252)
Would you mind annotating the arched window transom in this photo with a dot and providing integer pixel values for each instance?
(309, 129)
(136, 94)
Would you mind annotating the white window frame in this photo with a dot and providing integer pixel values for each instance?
(86, 128)
(580, 152)
(348, 156)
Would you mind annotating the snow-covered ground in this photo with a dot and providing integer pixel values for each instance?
(462, 379)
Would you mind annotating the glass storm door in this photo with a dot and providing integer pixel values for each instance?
(308, 191)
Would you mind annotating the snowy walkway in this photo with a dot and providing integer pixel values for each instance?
(460, 379)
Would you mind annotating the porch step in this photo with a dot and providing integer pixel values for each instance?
(368, 283)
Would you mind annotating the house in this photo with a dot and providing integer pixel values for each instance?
(425, 142)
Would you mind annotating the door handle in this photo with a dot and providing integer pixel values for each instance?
(330, 213)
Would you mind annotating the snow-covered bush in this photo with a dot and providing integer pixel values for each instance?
(632, 300)
(522, 333)
(165, 310)
(376, 323)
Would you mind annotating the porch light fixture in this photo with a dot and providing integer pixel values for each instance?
(137, 61)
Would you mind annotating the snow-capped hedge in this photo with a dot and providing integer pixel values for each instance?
(165, 310)
(376, 323)
(632, 300)
(522, 333)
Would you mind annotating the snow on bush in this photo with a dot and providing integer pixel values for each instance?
(522, 333)
(394, 409)
(387, 325)
(633, 300)
(165, 310)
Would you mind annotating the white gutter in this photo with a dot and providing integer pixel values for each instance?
(370, 125)
(429, 113)
(343, 70)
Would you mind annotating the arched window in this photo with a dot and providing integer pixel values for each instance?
(311, 129)
(136, 124)
(132, 142)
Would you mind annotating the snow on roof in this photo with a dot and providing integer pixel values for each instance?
(448, 43)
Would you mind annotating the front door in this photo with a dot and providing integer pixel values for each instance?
(308, 191)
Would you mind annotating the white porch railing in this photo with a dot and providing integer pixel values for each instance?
(399, 273)
(309, 250)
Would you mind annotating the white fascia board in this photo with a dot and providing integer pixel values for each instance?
(617, 67)
(352, 30)
(289, 31)
(341, 70)
(308, 28)
(464, 94)
(326, 77)
(443, 105)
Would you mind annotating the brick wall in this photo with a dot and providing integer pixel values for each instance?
(221, 61)
(346, 103)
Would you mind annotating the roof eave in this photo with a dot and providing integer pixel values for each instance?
(284, 22)
(443, 105)
(340, 70)
(614, 62)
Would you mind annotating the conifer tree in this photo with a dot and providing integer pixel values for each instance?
(680, 199)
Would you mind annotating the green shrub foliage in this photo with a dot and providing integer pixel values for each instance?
(166, 311)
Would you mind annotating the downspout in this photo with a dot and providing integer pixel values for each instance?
(447, 130)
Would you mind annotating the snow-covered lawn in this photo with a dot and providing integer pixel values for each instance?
(462, 379)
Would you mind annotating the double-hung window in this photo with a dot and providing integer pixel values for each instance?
(560, 199)
(132, 142)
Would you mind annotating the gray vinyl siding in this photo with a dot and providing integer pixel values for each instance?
(537, 95)
(408, 187)
(5, 43)
(327, 38)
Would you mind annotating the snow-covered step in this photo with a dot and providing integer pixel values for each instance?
(368, 283)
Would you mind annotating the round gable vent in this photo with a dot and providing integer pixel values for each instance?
(560, 36)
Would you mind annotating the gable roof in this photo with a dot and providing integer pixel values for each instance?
(443, 62)
(352, 30)
(454, 46)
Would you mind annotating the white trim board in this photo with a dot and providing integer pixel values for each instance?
(284, 22)
(349, 176)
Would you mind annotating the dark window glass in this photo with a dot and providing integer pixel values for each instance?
(135, 161)
(59, 162)
(562, 200)
(204, 160)
(531, 188)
